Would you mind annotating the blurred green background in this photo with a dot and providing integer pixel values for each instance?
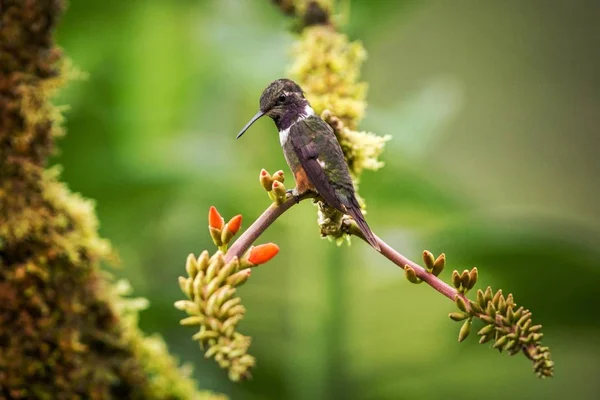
(494, 109)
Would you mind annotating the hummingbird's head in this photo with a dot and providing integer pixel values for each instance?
(283, 101)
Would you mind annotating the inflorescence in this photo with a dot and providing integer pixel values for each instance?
(212, 302)
(510, 327)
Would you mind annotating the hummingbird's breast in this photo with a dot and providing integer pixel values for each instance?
(284, 133)
(283, 136)
(290, 153)
(288, 150)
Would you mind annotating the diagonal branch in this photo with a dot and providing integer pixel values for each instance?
(269, 216)
(274, 211)
(394, 256)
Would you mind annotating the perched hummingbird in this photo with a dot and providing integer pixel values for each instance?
(311, 150)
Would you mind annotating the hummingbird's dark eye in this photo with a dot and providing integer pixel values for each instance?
(281, 99)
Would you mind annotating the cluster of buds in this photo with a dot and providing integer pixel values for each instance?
(212, 304)
(464, 281)
(221, 232)
(432, 265)
(509, 326)
(273, 184)
(327, 66)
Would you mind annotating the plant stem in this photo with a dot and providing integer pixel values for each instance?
(269, 216)
(421, 272)
(274, 211)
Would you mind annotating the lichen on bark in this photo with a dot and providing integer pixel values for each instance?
(65, 329)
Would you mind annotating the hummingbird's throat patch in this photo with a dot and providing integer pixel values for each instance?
(284, 133)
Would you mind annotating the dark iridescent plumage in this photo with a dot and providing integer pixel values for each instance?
(311, 150)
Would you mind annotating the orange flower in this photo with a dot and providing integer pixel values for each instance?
(235, 224)
(262, 253)
(214, 218)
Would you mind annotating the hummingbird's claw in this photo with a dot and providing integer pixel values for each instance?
(294, 193)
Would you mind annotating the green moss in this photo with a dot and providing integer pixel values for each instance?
(327, 66)
(65, 331)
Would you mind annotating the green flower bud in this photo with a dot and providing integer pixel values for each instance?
(203, 260)
(191, 266)
(486, 330)
(481, 298)
(193, 320)
(458, 316)
(500, 342)
(473, 275)
(428, 259)
(188, 306)
(183, 286)
(456, 281)
(265, 180)
(460, 303)
(439, 264)
(465, 330)
(464, 279)
(411, 275)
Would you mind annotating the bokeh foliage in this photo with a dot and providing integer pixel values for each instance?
(491, 162)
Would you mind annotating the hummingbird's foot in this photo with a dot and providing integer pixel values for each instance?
(294, 193)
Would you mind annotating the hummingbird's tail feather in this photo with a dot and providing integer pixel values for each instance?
(357, 214)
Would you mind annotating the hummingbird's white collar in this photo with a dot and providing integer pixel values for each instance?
(283, 134)
(308, 112)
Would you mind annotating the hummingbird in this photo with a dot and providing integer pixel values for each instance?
(311, 150)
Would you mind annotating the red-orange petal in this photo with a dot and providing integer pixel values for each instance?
(263, 172)
(262, 253)
(235, 224)
(214, 218)
(276, 184)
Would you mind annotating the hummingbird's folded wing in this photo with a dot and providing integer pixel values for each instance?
(307, 139)
(321, 156)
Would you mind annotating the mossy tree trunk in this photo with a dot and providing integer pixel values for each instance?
(64, 331)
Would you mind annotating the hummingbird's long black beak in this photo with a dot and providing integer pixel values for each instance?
(253, 120)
